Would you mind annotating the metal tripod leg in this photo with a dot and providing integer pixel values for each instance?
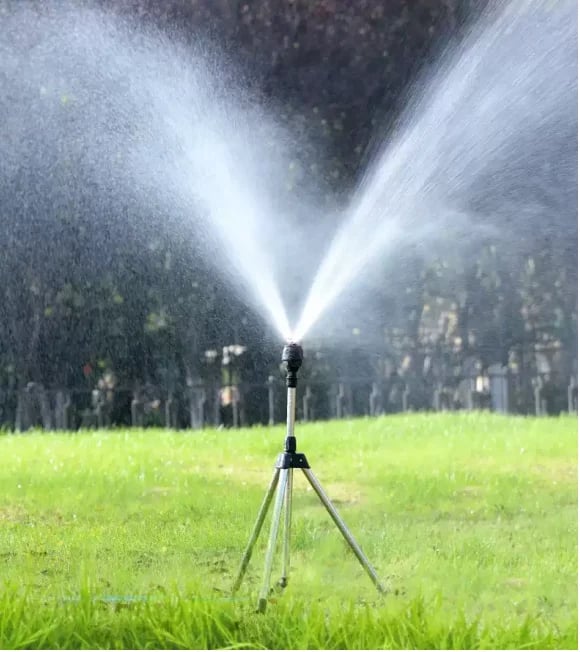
(256, 531)
(263, 599)
(343, 529)
(287, 526)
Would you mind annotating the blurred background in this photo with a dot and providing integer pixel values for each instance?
(88, 340)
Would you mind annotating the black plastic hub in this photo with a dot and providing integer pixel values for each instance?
(288, 460)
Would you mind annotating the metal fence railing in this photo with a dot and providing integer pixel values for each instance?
(207, 404)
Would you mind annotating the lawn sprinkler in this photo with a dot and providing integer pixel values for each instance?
(282, 480)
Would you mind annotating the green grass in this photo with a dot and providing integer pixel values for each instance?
(131, 539)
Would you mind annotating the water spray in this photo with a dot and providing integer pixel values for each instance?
(281, 485)
(474, 127)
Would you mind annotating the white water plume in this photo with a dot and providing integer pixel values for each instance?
(486, 115)
(112, 106)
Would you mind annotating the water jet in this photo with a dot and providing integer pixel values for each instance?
(476, 146)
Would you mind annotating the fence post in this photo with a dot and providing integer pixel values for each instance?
(217, 398)
(197, 399)
(306, 400)
(498, 388)
(99, 415)
(19, 417)
(170, 421)
(572, 404)
(45, 410)
(374, 400)
(470, 390)
(136, 411)
(235, 406)
(437, 397)
(539, 404)
(61, 410)
(270, 400)
(339, 400)
(405, 398)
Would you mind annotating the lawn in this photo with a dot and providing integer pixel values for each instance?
(132, 538)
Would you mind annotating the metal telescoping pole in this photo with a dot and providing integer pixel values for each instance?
(271, 400)
(256, 531)
(365, 563)
(263, 599)
(287, 528)
(283, 498)
(290, 442)
(290, 411)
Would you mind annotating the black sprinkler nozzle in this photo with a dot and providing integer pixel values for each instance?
(292, 357)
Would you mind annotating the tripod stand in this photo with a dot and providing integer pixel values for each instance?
(281, 485)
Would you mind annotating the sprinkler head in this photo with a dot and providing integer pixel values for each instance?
(292, 357)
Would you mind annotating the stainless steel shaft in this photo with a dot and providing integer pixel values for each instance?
(365, 563)
(287, 529)
(279, 503)
(290, 411)
(256, 531)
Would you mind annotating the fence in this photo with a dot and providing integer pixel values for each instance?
(498, 390)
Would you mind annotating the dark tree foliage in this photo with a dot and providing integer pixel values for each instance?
(147, 307)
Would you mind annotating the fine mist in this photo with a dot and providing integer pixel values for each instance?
(106, 118)
(95, 109)
(487, 148)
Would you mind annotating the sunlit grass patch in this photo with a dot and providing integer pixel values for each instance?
(132, 538)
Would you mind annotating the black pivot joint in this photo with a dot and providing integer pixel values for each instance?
(291, 460)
